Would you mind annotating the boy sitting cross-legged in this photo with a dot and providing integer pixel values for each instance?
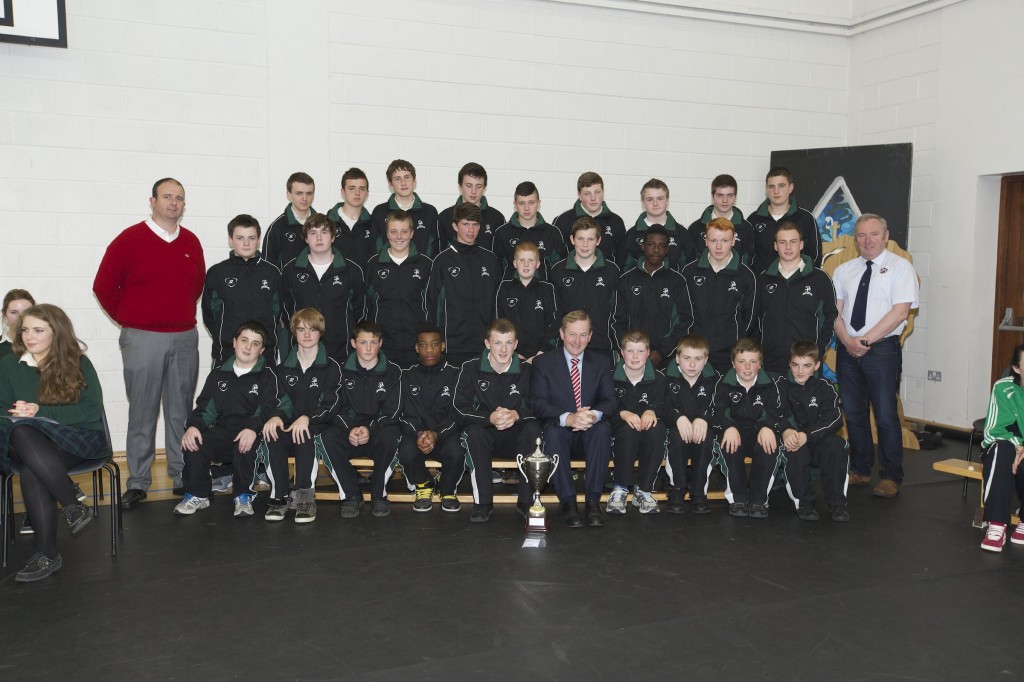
(309, 382)
(637, 427)
(810, 439)
(428, 423)
(224, 428)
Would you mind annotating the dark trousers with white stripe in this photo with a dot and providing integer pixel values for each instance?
(699, 455)
(646, 447)
(755, 487)
(447, 450)
(382, 448)
(484, 443)
(1000, 481)
(218, 447)
(832, 457)
(307, 465)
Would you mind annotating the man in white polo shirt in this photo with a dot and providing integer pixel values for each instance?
(875, 294)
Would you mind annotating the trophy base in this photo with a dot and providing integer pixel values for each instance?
(537, 521)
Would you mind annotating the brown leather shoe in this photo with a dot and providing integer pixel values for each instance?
(886, 488)
(858, 479)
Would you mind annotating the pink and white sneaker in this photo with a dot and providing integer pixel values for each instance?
(995, 537)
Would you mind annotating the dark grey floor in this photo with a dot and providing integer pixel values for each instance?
(900, 592)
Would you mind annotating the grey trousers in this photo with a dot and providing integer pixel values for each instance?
(158, 368)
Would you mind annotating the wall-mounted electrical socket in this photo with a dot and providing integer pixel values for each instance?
(934, 375)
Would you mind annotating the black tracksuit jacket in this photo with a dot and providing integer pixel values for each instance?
(492, 220)
(424, 225)
(238, 290)
(428, 398)
(613, 229)
(595, 290)
(314, 393)
(460, 295)
(355, 243)
(722, 304)
(681, 249)
(395, 296)
(764, 234)
(812, 408)
(744, 244)
(656, 303)
(369, 397)
(546, 236)
(481, 390)
(339, 297)
(236, 402)
(531, 309)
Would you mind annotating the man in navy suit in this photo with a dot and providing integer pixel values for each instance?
(572, 394)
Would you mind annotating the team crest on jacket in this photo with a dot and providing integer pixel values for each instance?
(675, 388)
(415, 390)
(567, 281)
(699, 280)
(314, 383)
(511, 302)
(514, 241)
(350, 384)
(290, 236)
(382, 273)
(814, 402)
(483, 271)
(292, 380)
(454, 272)
(416, 273)
(302, 277)
(264, 285)
(772, 287)
(733, 287)
(643, 399)
(637, 291)
(380, 387)
(760, 227)
(620, 391)
(512, 390)
(608, 230)
(231, 281)
(599, 282)
(446, 392)
(702, 393)
(665, 294)
(807, 291)
(255, 390)
(538, 304)
(736, 396)
(336, 281)
(672, 241)
(758, 401)
(420, 225)
(484, 385)
(222, 385)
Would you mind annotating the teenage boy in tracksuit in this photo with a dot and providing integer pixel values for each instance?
(396, 284)
(303, 427)
(691, 388)
(460, 292)
(681, 249)
(780, 206)
(612, 230)
(722, 293)
(527, 302)
(747, 412)
(495, 418)
(527, 224)
(338, 293)
(795, 301)
(429, 424)
(351, 220)
(723, 205)
(371, 394)
(237, 399)
(402, 181)
(652, 297)
(284, 239)
(586, 280)
(638, 426)
(472, 186)
(243, 287)
(810, 437)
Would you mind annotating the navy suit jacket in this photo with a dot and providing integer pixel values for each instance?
(551, 388)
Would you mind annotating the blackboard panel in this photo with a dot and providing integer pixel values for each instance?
(864, 179)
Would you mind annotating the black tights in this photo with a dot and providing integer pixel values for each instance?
(44, 481)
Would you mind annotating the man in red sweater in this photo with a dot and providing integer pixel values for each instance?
(149, 281)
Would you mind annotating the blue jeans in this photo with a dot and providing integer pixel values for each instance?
(873, 378)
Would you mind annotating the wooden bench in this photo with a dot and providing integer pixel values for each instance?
(973, 470)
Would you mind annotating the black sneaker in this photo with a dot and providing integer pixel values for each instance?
(481, 513)
(676, 498)
(450, 503)
(351, 507)
(738, 509)
(79, 495)
(424, 498)
(700, 505)
(839, 513)
(26, 526)
(381, 508)
(39, 567)
(807, 513)
(78, 517)
(758, 511)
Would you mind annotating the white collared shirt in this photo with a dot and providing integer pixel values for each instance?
(893, 280)
(162, 233)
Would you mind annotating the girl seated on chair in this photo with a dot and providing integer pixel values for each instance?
(1003, 451)
(16, 302)
(53, 422)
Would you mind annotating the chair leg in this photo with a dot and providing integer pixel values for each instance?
(95, 499)
(970, 453)
(6, 512)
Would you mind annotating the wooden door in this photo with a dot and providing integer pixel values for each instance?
(1009, 273)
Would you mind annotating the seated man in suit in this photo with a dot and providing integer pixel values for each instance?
(572, 394)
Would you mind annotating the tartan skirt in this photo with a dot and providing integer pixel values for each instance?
(84, 443)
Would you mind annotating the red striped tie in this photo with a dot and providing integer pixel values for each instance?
(574, 374)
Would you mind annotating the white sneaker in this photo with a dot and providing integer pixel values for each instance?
(616, 503)
(243, 505)
(646, 502)
(191, 504)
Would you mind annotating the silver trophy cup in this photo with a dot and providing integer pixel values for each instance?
(538, 469)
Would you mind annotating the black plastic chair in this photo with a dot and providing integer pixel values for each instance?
(107, 464)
